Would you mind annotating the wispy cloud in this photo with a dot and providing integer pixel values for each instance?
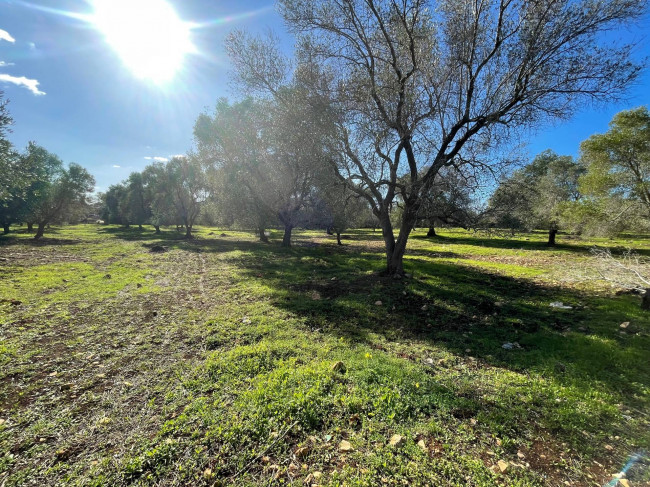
(116, 166)
(30, 84)
(5, 36)
(4, 64)
(157, 158)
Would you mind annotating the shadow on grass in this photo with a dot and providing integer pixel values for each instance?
(565, 243)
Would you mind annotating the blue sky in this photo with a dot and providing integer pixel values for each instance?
(89, 108)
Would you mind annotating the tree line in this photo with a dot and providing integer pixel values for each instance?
(401, 110)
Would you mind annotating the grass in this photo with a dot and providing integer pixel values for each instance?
(224, 361)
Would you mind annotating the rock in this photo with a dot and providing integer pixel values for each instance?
(624, 325)
(339, 367)
(508, 346)
(422, 445)
(302, 452)
(503, 466)
(2, 421)
(609, 447)
(520, 455)
(207, 473)
(246, 320)
(345, 446)
(396, 440)
(378, 303)
(424, 307)
(429, 362)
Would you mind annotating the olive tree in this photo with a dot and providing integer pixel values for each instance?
(423, 83)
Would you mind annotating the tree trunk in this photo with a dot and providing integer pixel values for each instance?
(432, 231)
(40, 230)
(157, 227)
(551, 236)
(5, 228)
(329, 231)
(286, 239)
(338, 238)
(395, 249)
(263, 237)
(139, 226)
(188, 231)
(30, 227)
(645, 300)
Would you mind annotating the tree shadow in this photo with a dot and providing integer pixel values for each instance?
(471, 314)
(524, 244)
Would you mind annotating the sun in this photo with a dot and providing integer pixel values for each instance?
(147, 35)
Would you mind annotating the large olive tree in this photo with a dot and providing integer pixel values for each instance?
(417, 84)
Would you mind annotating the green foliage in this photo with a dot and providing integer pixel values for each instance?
(537, 195)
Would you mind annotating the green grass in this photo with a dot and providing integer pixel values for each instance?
(224, 361)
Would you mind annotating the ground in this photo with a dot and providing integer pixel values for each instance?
(225, 361)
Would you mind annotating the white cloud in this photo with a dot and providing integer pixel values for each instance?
(115, 165)
(157, 158)
(32, 46)
(30, 84)
(182, 156)
(3, 64)
(5, 36)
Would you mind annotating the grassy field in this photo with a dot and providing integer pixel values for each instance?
(224, 361)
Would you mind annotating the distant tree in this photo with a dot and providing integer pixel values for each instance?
(115, 207)
(618, 162)
(186, 184)
(536, 195)
(138, 207)
(268, 154)
(158, 195)
(416, 84)
(448, 201)
(64, 191)
(14, 179)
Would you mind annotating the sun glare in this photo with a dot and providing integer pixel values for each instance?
(147, 35)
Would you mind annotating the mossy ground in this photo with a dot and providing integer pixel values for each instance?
(212, 363)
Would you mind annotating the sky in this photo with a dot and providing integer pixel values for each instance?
(82, 88)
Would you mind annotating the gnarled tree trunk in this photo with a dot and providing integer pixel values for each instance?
(261, 232)
(552, 232)
(338, 238)
(432, 231)
(40, 230)
(188, 231)
(286, 239)
(157, 227)
(30, 226)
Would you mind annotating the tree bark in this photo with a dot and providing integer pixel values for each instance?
(188, 231)
(286, 239)
(5, 228)
(263, 237)
(140, 227)
(432, 231)
(30, 226)
(551, 236)
(40, 230)
(396, 248)
(645, 300)
(157, 227)
(338, 238)
(329, 231)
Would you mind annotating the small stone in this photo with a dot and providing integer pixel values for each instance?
(422, 445)
(520, 455)
(302, 452)
(424, 307)
(624, 325)
(396, 440)
(378, 303)
(2, 421)
(317, 475)
(609, 447)
(207, 473)
(345, 446)
(339, 367)
(503, 466)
